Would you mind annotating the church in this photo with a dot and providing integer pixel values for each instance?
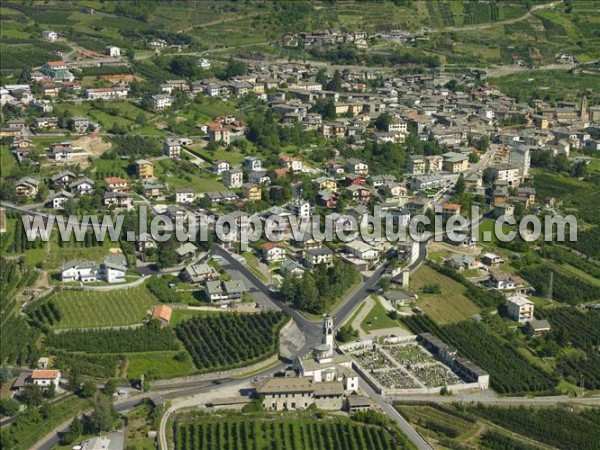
(324, 364)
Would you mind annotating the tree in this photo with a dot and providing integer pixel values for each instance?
(473, 158)
(234, 68)
(8, 407)
(110, 387)
(32, 395)
(384, 283)
(50, 391)
(325, 107)
(75, 430)
(166, 253)
(104, 414)
(336, 82)
(346, 333)
(488, 176)
(88, 389)
(383, 121)
(322, 77)
(483, 144)
(460, 187)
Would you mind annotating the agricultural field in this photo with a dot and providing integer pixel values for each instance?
(90, 309)
(158, 365)
(452, 305)
(150, 337)
(452, 426)
(550, 85)
(304, 432)
(438, 420)
(579, 428)
(185, 174)
(226, 341)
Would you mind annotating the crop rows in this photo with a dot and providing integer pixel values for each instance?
(579, 431)
(149, 337)
(227, 340)
(509, 371)
(288, 435)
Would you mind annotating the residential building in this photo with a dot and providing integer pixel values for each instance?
(185, 196)
(58, 199)
(520, 309)
(186, 252)
(233, 178)
(273, 252)
(455, 162)
(199, 273)
(356, 166)
(117, 199)
(45, 378)
(219, 166)
(217, 291)
(252, 192)
(315, 256)
(161, 101)
(112, 51)
(225, 130)
(417, 165)
(172, 148)
(116, 184)
(83, 186)
(144, 169)
(204, 63)
(252, 163)
(50, 35)
(27, 187)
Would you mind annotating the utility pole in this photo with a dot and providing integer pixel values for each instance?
(551, 286)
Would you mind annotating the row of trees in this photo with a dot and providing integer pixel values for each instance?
(150, 337)
(228, 340)
(580, 430)
(510, 373)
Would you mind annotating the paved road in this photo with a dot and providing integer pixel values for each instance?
(406, 428)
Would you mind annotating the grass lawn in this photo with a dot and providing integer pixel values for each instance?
(570, 270)
(252, 264)
(179, 315)
(87, 309)
(53, 256)
(378, 318)
(159, 365)
(185, 174)
(233, 157)
(471, 273)
(488, 225)
(448, 307)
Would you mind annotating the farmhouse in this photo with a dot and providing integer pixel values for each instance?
(162, 313)
(45, 378)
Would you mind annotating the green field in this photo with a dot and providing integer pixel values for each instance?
(159, 365)
(378, 318)
(87, 309)
(448, 307)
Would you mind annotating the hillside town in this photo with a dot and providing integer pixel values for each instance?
(308, 253)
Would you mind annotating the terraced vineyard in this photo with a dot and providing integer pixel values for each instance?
(298, 434)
